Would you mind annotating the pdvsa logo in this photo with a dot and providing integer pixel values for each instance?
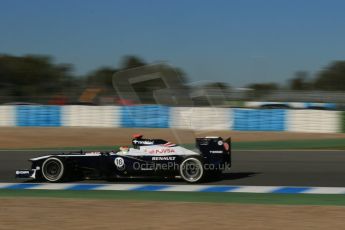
(161, 151)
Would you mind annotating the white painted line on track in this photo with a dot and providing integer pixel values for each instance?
(256, 189)
(326, 190)
(175, 188)
(3, 185)
(185, 188)
(118, 187)
(52, 186)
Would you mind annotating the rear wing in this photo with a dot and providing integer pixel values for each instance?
(227, 145)
(228, 148)
(212, 145)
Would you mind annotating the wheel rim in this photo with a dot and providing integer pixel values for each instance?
(191, 170)
(53, 169)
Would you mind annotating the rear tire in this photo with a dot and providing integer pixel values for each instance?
(192, 170)
(54, 170)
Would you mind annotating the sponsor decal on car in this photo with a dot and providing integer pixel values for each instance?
(22, 172)
(163, 158)
(93, 153)
(119, 162)
(169, 144)
(216, 151)
(143, 142)
(158, 151)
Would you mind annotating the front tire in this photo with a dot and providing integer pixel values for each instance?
(192, 170)
(53, 170)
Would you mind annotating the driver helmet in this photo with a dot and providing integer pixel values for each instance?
(124, 149)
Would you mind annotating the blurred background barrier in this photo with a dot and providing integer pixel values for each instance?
(289, 105)
(7, 116)
(259, 120)
(91, 116)
(38, 115)
(317, 121)
(145, 116)
(153, 116)
(199, 118)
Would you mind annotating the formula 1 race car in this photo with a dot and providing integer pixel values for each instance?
(147, 158)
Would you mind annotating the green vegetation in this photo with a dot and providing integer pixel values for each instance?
(245, 198)
(20, 77)
(37, 79)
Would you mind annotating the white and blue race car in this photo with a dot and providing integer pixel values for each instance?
(147, 158)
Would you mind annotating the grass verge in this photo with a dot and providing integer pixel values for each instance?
(292, 144)
(244, 198)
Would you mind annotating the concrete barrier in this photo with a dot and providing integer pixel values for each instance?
(7, 116)
(91, 116)
(316, 121)
(201, 118)
(38, 115)
(145, 116)
(153, 116)
(259, 120)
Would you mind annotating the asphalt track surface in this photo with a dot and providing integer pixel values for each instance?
(261, 168)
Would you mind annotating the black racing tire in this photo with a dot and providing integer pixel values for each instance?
(192, 170)
(54, 170)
